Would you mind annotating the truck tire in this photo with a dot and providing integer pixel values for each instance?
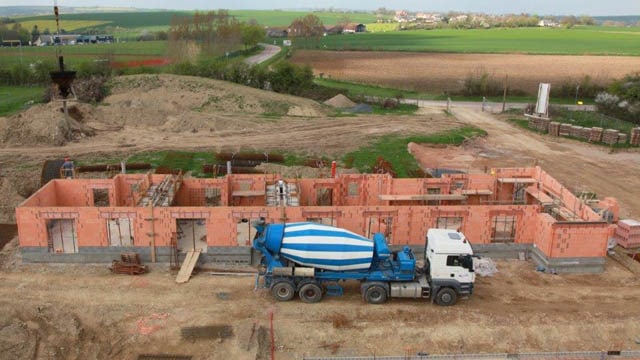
(375, 294)
(446, 297)
(283, 291)
(310, 293)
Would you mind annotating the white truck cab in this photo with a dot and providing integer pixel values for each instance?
(450, 258)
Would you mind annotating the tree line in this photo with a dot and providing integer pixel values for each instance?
(213, 33)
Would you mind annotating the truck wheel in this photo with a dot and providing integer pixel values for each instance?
(282, 291)
(310, 293)
(446, 297)
(375, 294)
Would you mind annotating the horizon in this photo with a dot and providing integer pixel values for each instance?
(493, 7)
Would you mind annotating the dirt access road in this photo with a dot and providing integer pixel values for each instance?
(577, 165)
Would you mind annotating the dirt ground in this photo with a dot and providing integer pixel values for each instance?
(64, 312)
(84, 312)
(578, 166)
(447, 72)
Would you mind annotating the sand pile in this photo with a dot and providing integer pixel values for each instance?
(340, 101)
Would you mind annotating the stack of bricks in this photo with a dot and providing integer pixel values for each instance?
(622, 138)
(610, 136)
(585, 133)
(595, 135)
(576, 131)
(565, 130)
(554, 128)
(539, 124)
(635, 136)
(628, 233)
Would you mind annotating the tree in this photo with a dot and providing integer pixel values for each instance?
(569, 21)
(252, 35)
(622, 99)
(307, 27)
(587, 20)
(35, 33)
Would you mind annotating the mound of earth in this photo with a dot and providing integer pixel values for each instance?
(340, 101)
(166, 102)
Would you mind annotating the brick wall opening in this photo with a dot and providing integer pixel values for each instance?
(62, 237)
(503, 229)
(191, 235)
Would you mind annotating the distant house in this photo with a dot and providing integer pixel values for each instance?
(72, 39)
(547, 23)
(354, 28)
(277, 32)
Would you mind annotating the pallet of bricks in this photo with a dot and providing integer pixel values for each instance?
(554, 128)
(628, 233)
(635, 136)
(610, 136)
(595, 134)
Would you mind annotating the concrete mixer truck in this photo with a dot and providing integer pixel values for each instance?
(312, 259)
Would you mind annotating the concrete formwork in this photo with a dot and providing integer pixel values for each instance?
(517, 208)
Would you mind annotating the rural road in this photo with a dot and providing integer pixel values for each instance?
(491, 107)
(268, 52)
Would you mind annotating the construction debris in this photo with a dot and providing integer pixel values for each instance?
(485, 266)
(129, 264)
(207, 332)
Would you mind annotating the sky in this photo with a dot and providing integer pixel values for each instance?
(538, 7)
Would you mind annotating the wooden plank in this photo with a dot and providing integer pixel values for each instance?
(187, 266)
(422, 197)
(477, 192)
(517, 180)
(248, 193)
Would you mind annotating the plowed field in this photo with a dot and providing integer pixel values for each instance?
(446, 72)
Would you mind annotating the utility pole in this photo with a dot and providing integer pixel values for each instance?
(504, 93)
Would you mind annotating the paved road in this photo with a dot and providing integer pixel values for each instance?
(268, 52)
(493, 107)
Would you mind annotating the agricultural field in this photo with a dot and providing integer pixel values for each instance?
(588, 41)
(69, 25)
(124, 51)
(114, 19)
(439, 73)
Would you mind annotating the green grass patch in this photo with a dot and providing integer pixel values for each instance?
(498, 40)
(16, 98)
(354, 90)
(401, 109)
(393, 149)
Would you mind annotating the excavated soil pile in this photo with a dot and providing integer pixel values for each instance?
(165, 102)
(340, 101)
